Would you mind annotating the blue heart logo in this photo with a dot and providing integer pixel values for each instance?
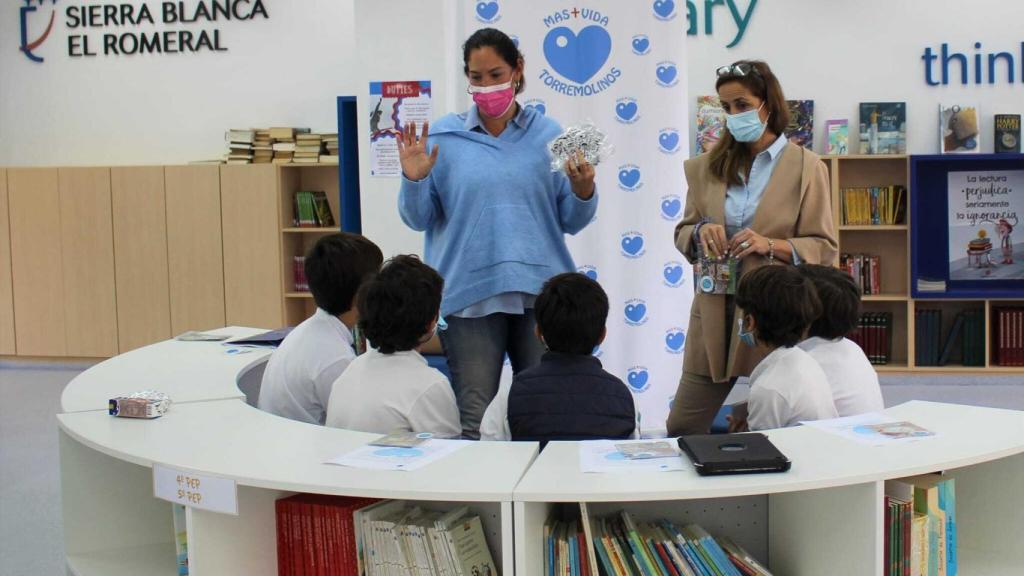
(675, 340)
(666, 74)
(487, 10)
(577, 56)
(629, 178)
(636, 312)
(632, 245)
(626, 110)
(663, 8)
(673, 274)
(668, 141)
(539, 108)
(640, 45)
(637, 379)
(670, 208)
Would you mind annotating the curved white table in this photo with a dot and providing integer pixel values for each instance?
(822, 517)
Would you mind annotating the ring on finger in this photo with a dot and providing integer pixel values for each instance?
(744, 244)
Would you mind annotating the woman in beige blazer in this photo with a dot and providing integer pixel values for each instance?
(755, 197)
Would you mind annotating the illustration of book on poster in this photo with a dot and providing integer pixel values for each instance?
(710, 122)
(837, 133)
(984, 210)
(393, 105)
(959, 129)
(801, 123)
(883, 128)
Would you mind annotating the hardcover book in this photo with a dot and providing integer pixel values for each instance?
(959, 129)
(710, 122)
(800, 130)
(883, 128)
(1007, 131)
(838, 138)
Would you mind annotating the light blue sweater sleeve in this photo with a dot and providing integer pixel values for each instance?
(419, 204)
(573, 213)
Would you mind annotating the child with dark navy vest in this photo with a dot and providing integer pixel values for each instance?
(569, 396)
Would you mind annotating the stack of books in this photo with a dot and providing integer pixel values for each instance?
(874, 335)
(240, 142)
(330, 141)
(262, 147)
(307, 148)
(620, 545)
(1009, 336)
(920, 526)
(866, 271)
(317, 534)
(873, 206)
(931, 285)
(283, 143)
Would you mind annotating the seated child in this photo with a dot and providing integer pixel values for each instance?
(851, 377)
(775, 305)
(568, 396)
(299, 375)
(390, 388)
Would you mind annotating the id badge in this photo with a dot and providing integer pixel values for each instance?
(714, 276)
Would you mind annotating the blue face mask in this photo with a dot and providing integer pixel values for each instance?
(441, 325)
(746, 126)
(746, 337)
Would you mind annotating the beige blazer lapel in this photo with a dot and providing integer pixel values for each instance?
(778, 194)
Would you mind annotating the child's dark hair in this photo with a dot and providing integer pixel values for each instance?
(571, 311)
(781, 300)
(397, 306)
(335, 268)
(501, 43)
(840, 301)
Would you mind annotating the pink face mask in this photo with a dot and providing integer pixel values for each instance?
(494, 101)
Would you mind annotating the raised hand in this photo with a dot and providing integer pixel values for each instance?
(412, 152)
(581, 175)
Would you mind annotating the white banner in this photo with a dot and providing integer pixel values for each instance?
(620, 65)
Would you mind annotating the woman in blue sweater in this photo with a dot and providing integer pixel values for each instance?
(495, 216)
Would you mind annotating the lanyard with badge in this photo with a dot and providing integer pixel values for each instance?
(715, 275)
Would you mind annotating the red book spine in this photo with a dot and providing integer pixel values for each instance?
(1001, 358)
(908, 517)
(876, 275)
(887, 552)
(283, 537)
(665, 558)
(297, 548)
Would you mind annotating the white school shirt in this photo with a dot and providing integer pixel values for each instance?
(299, 375)
(851, 377)
(398, 392)
(788, 386)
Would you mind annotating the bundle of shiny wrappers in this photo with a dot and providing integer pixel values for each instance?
(584, 138)
(141, 404)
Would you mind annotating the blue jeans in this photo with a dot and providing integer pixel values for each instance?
(476, 349)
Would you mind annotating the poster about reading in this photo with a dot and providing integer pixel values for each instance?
(985, 242)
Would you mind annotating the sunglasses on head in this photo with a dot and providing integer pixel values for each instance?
(741, 69)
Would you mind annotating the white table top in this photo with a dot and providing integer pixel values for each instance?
(231, 439)
(965, 435)
(185, 371)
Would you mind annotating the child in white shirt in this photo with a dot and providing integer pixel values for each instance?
(776, 305)
(391, 388)
(851, 377)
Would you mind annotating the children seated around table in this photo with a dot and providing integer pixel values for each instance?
(568, 396)
(776, 305)
(299, 375)
(851, 377)
(390, 388)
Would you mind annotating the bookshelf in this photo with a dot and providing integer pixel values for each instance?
(896, 245)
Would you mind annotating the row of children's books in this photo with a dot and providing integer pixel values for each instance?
(874, 335)
(312, 210)
(283, 145)
(876, 205)
(865, 269)
(341, 536)
(1009, 336)
(930, 348)
(920, 527)
(577, 545)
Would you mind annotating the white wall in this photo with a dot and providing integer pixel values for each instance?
(290, 68)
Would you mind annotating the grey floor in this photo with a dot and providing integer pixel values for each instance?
(31, 539)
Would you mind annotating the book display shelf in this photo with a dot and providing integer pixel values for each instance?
(917, 247)
(824, 516)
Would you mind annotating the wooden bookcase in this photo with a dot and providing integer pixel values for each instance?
(893, 244)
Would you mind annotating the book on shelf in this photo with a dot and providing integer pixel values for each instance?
(883, 127)
(240, 135)
(1007, 133)
(299, 274)
(1009, 336)
(874, 335)
(311, 209)
(921, 532)
(837, 137)
(973, 333)
(951, 339)
(710, 123)
(866, 271)
(931, 285)
(959, 129)
(873, 206)
(328, 159)
(281, 146)
(927, 335)
(180, 538)
(800, 130)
